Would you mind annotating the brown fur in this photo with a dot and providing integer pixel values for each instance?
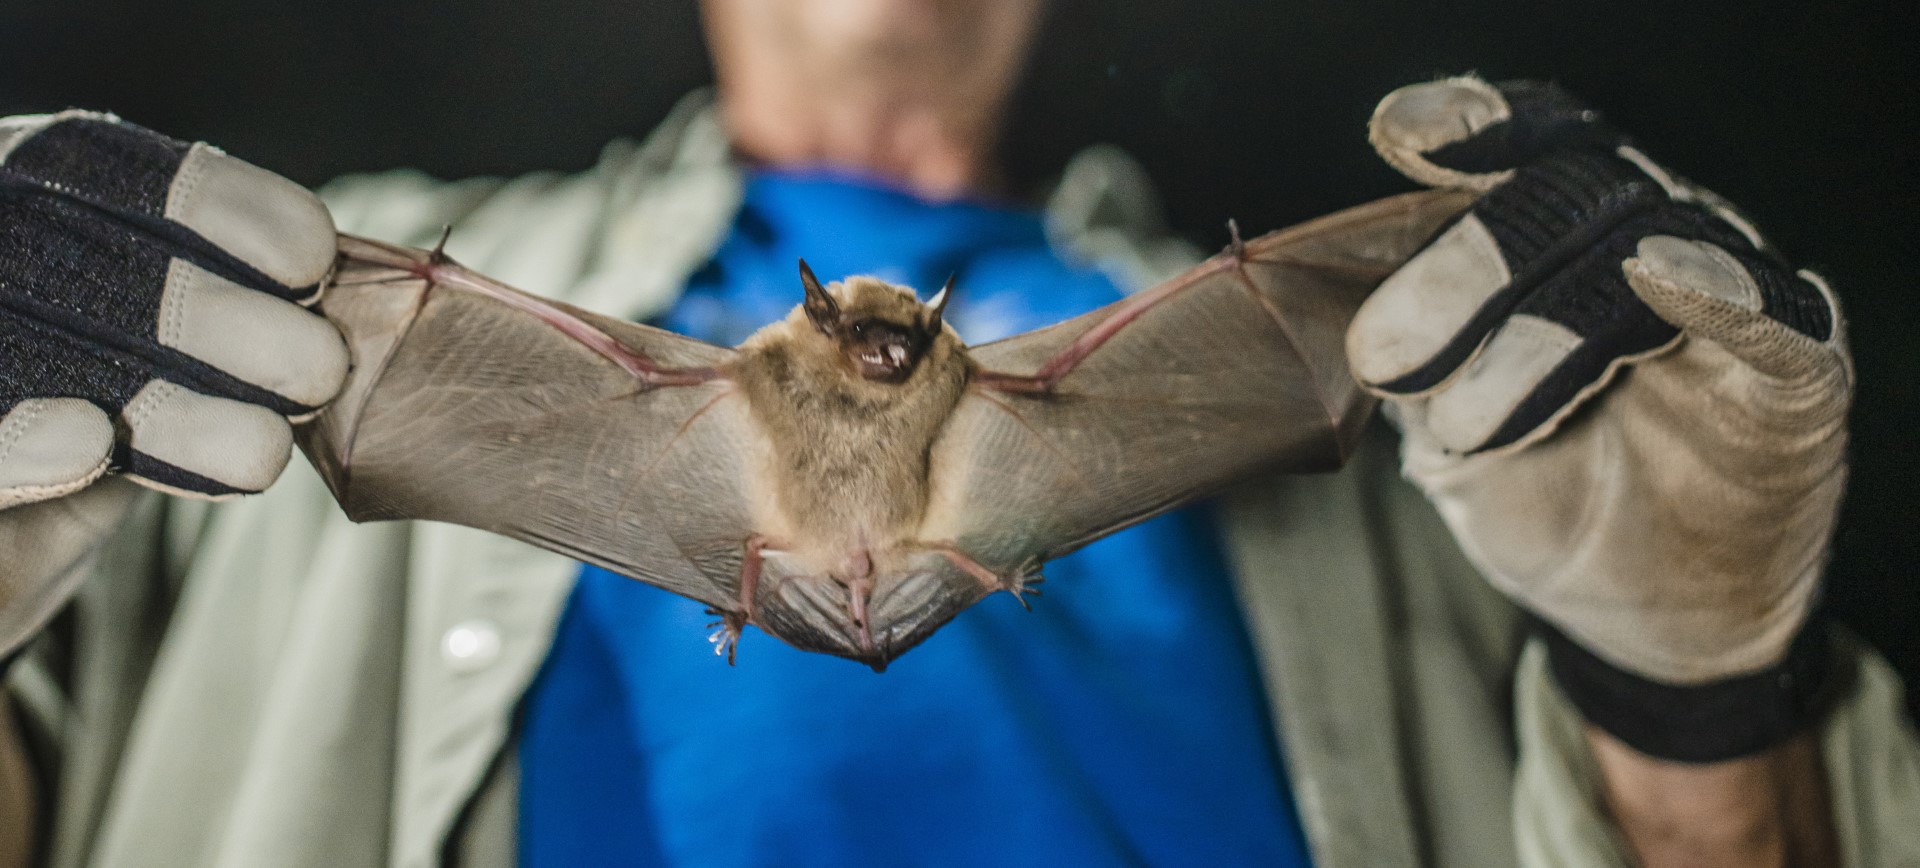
(848, 456)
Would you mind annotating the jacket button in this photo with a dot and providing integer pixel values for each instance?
(470, 645)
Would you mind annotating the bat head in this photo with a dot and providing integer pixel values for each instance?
(882, 330)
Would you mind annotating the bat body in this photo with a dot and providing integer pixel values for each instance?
(843, 443)
(854, 475)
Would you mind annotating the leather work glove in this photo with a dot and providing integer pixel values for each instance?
(149, 311)
(1628, 409)
(149, 324)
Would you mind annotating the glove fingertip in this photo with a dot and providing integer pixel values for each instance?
(1676, 268)
(51, 447)
(1414, 121)
(1425, 320)
(272, 224)
(1707, 293)
(184, 442)
(18, 128)
(1502, 384)
(261, 340)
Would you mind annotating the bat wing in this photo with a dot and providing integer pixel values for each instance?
(474, 403)
(1235, 367)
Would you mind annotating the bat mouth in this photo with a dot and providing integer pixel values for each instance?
(815, 614)
(885, 362)
(889, 356)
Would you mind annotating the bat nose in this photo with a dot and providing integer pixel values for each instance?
(815, 614)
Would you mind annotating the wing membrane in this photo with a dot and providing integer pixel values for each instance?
(1236, 367)
(474, 403)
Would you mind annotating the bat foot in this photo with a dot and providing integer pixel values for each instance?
(1024, 580)
(726, 639)
(1019, 582)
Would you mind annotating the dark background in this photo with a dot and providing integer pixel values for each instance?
(1801, 113)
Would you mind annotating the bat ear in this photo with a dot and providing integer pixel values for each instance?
(821, 308)
(939, 304)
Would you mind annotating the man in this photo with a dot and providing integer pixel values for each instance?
(262, 683)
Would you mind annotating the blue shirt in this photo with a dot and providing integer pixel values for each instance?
(1120, 722)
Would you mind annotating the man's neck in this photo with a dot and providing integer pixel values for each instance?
(931, 150)
(909, 94)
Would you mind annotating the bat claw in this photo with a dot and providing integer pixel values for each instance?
(1021, 582)
(726, 640)
(1238, 246)
(438, 255)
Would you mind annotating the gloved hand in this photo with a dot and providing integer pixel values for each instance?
(1628, 409)
(149, 311)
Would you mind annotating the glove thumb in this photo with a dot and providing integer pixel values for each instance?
(1743, 304)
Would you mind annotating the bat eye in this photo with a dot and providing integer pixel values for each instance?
(859, 328)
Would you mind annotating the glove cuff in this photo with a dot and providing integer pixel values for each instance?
(1700, 723)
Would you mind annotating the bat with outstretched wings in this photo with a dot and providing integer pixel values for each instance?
(853, 476)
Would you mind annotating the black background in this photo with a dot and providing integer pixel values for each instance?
(1801, 113)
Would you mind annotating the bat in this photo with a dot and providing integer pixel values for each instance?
(853, 476)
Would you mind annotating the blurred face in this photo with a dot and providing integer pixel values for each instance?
(970, 49)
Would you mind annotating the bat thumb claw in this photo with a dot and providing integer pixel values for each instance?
(439, 253)
(1238, 246)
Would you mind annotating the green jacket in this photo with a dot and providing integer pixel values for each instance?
(263, 683)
